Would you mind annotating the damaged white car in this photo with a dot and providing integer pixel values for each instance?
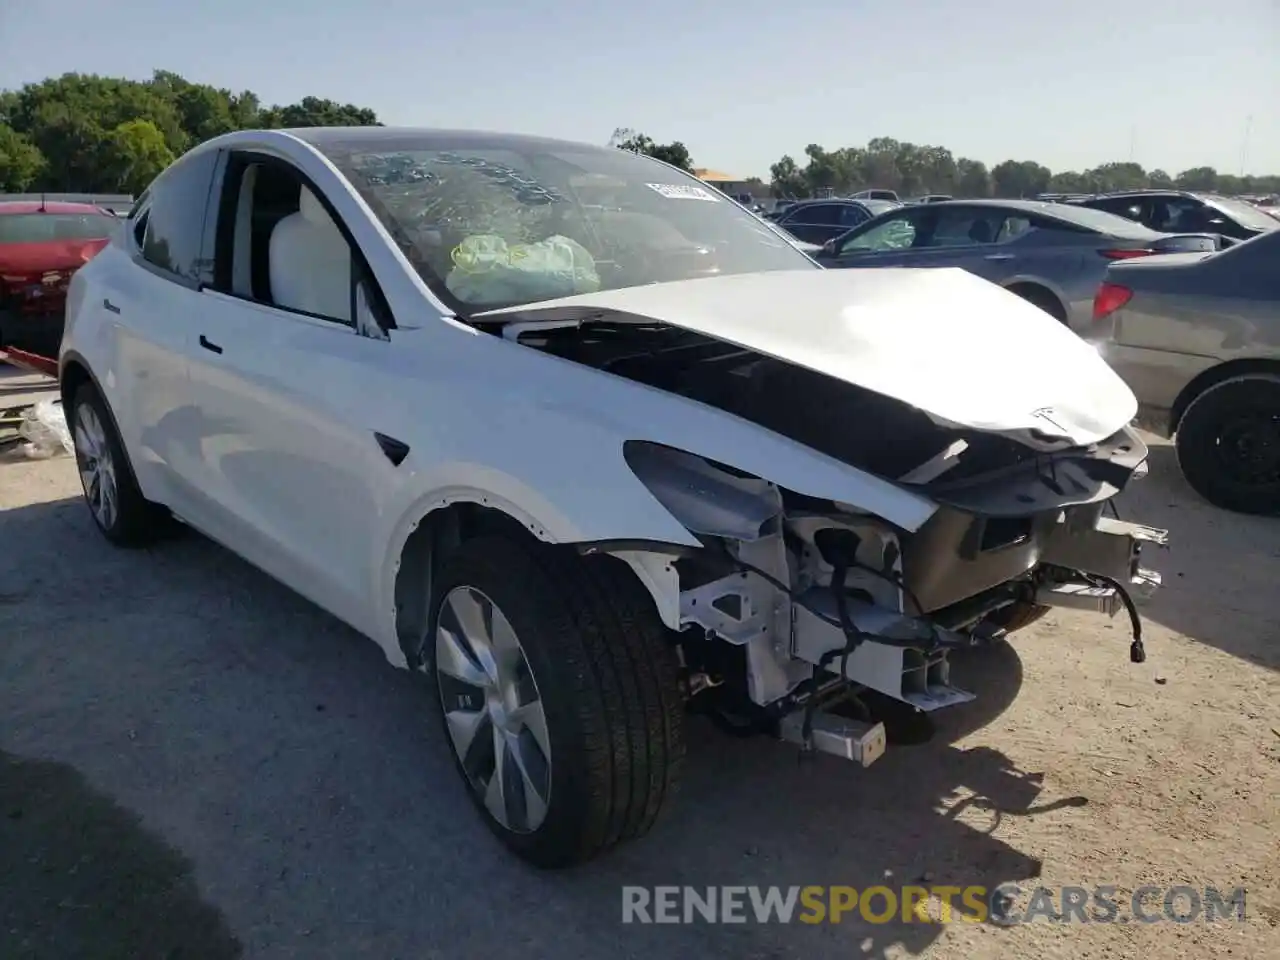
(589, 446)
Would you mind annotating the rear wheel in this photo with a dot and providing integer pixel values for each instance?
(559, 695)
(1228, 444)
(117, 505)
(1043, 299)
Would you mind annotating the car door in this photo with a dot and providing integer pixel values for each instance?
(885, 241)
(147, 290)
(813, 222)
(287, 398)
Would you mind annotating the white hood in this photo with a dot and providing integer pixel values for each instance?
(962, 350)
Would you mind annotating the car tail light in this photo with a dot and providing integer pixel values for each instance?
(1125, 254)
(1110, 298)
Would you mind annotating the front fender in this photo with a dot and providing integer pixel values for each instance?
(542, 439)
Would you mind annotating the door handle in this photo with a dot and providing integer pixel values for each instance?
(108, 305)
(209, 344)
(998, 256)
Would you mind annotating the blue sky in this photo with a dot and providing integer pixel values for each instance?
(1172, 83)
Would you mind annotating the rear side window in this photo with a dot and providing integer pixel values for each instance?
(1128, 207)
(174, 231)
(49, 227)
(1099, 221)
(851, 216)
(959, 227)
(816, 213)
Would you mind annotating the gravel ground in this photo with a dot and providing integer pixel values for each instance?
(195, 763)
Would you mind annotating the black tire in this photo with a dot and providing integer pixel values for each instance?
(607, 678)
(137, 521)
(1043, 299)
(1228, 444)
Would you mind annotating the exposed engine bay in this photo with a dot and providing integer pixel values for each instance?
(795, 605)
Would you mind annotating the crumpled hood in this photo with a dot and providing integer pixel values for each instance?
(962, 350)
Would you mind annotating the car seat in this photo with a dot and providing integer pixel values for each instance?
(980, 231)
(310, 262)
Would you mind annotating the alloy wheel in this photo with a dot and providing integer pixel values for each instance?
(493, 709)
(96, 466)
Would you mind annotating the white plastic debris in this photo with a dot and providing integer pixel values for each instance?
(44, 428)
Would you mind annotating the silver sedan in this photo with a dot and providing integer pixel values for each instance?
(1052, 254)
(1197, 338)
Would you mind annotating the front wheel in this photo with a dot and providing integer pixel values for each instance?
(558, 690)
(1228, 444)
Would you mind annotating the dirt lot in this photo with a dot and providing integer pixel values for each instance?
(194, 763)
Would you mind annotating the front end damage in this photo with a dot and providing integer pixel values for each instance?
(796, 609)
(808, 617)
(797, 613)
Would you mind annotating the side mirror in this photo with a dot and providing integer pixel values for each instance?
(828, 249)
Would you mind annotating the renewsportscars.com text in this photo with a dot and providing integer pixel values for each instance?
(1007, 904)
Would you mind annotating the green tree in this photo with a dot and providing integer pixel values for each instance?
(99, 134)
(911, 168)
(786, 179)
(20, 161)
(135, 153)
(1019, 178)
(972, 178)
(674, 153)
(1198, 178)
(317, 112)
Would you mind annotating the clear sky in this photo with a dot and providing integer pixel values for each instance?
(1070, 83)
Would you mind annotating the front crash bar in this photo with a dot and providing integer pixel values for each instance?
(1112, 548)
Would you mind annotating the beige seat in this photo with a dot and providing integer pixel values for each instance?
(310, 262)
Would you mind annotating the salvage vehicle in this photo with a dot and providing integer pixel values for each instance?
(42, 243)
(588, 467)
(1197, 338)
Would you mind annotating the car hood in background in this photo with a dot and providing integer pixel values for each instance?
(964, 351)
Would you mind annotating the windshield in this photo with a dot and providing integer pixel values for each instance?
(493, 221)
(1244, 214)
(46, 227)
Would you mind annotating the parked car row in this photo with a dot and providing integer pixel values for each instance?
(1181, 291)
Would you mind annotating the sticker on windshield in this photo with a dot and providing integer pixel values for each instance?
(681, 191)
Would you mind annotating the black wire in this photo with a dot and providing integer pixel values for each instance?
(852, 638)
(1137, 652)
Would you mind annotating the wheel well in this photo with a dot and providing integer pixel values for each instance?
(438, 533)
(1042, 297)
(1223, 371)
(74, 375)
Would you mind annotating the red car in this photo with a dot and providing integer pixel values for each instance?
(41, 245)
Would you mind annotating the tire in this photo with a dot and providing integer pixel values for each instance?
(597, 660)
(134, 521)
(1228, 444)
(1043, 299)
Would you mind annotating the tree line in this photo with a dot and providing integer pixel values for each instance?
(83, 133)
(93, 134)
(915, 169)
